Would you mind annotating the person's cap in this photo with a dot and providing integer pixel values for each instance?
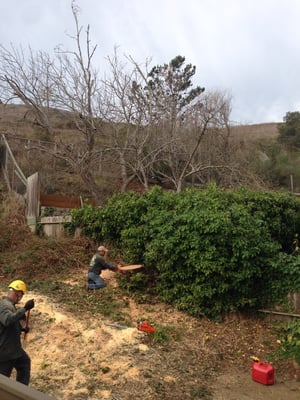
(18, 286)
(102, 248)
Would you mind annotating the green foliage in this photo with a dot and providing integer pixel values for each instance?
(162, 334)
(107, 223)
(289, 131)
(280, 165)
(135, 282)
(289, 342)
(279, 211)
(284, 275)
(171, 85)
(212, 251)
(208, 254)
(88, 218)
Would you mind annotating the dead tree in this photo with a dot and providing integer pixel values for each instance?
(66, 82)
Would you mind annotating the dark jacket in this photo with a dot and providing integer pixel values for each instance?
(98, 263)
(10, 330)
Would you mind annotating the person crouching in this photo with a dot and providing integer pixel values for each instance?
(97, 265)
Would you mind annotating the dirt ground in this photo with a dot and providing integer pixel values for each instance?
(240, 386)
(78, 358)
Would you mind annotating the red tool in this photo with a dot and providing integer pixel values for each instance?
(145, 326)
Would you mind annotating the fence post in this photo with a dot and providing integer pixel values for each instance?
(33, 201)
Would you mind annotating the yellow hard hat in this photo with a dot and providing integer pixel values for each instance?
(18, 285)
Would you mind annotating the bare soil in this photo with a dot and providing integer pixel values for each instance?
(78, 356)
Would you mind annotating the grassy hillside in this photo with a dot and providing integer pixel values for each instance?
(17, 122)
(266, 132)
(19, 126)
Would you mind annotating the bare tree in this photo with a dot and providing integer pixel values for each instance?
(197, 140)
(160, 127)
(185, 117)
(22, 78)
(161, 124)
(67, 82)
(121, 115)
(130, 115)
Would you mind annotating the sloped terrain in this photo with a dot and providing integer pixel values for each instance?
(76, 355)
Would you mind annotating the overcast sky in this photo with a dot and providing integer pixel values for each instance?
(250, 48)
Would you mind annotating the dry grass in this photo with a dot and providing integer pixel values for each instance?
(256, 133)
(18, 120)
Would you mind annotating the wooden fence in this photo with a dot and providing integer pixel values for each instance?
(30, 189)
(51, 226)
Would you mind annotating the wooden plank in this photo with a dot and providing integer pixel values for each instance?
(56, 219)
(280, 313)
(33, 204)
(33, 192)
(52, 200)
(54, 226)
(12, 390)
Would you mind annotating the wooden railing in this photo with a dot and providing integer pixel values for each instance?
(12, 390)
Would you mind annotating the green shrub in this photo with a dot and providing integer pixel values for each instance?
(290, 342)
(213, 251)
(135, 282)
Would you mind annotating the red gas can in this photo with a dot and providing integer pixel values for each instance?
(263, 372)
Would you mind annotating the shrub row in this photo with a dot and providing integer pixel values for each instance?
(213, 251)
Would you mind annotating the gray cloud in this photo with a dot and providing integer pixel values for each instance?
(249, 47)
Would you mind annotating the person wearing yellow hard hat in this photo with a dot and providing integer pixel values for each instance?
(12, 355)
